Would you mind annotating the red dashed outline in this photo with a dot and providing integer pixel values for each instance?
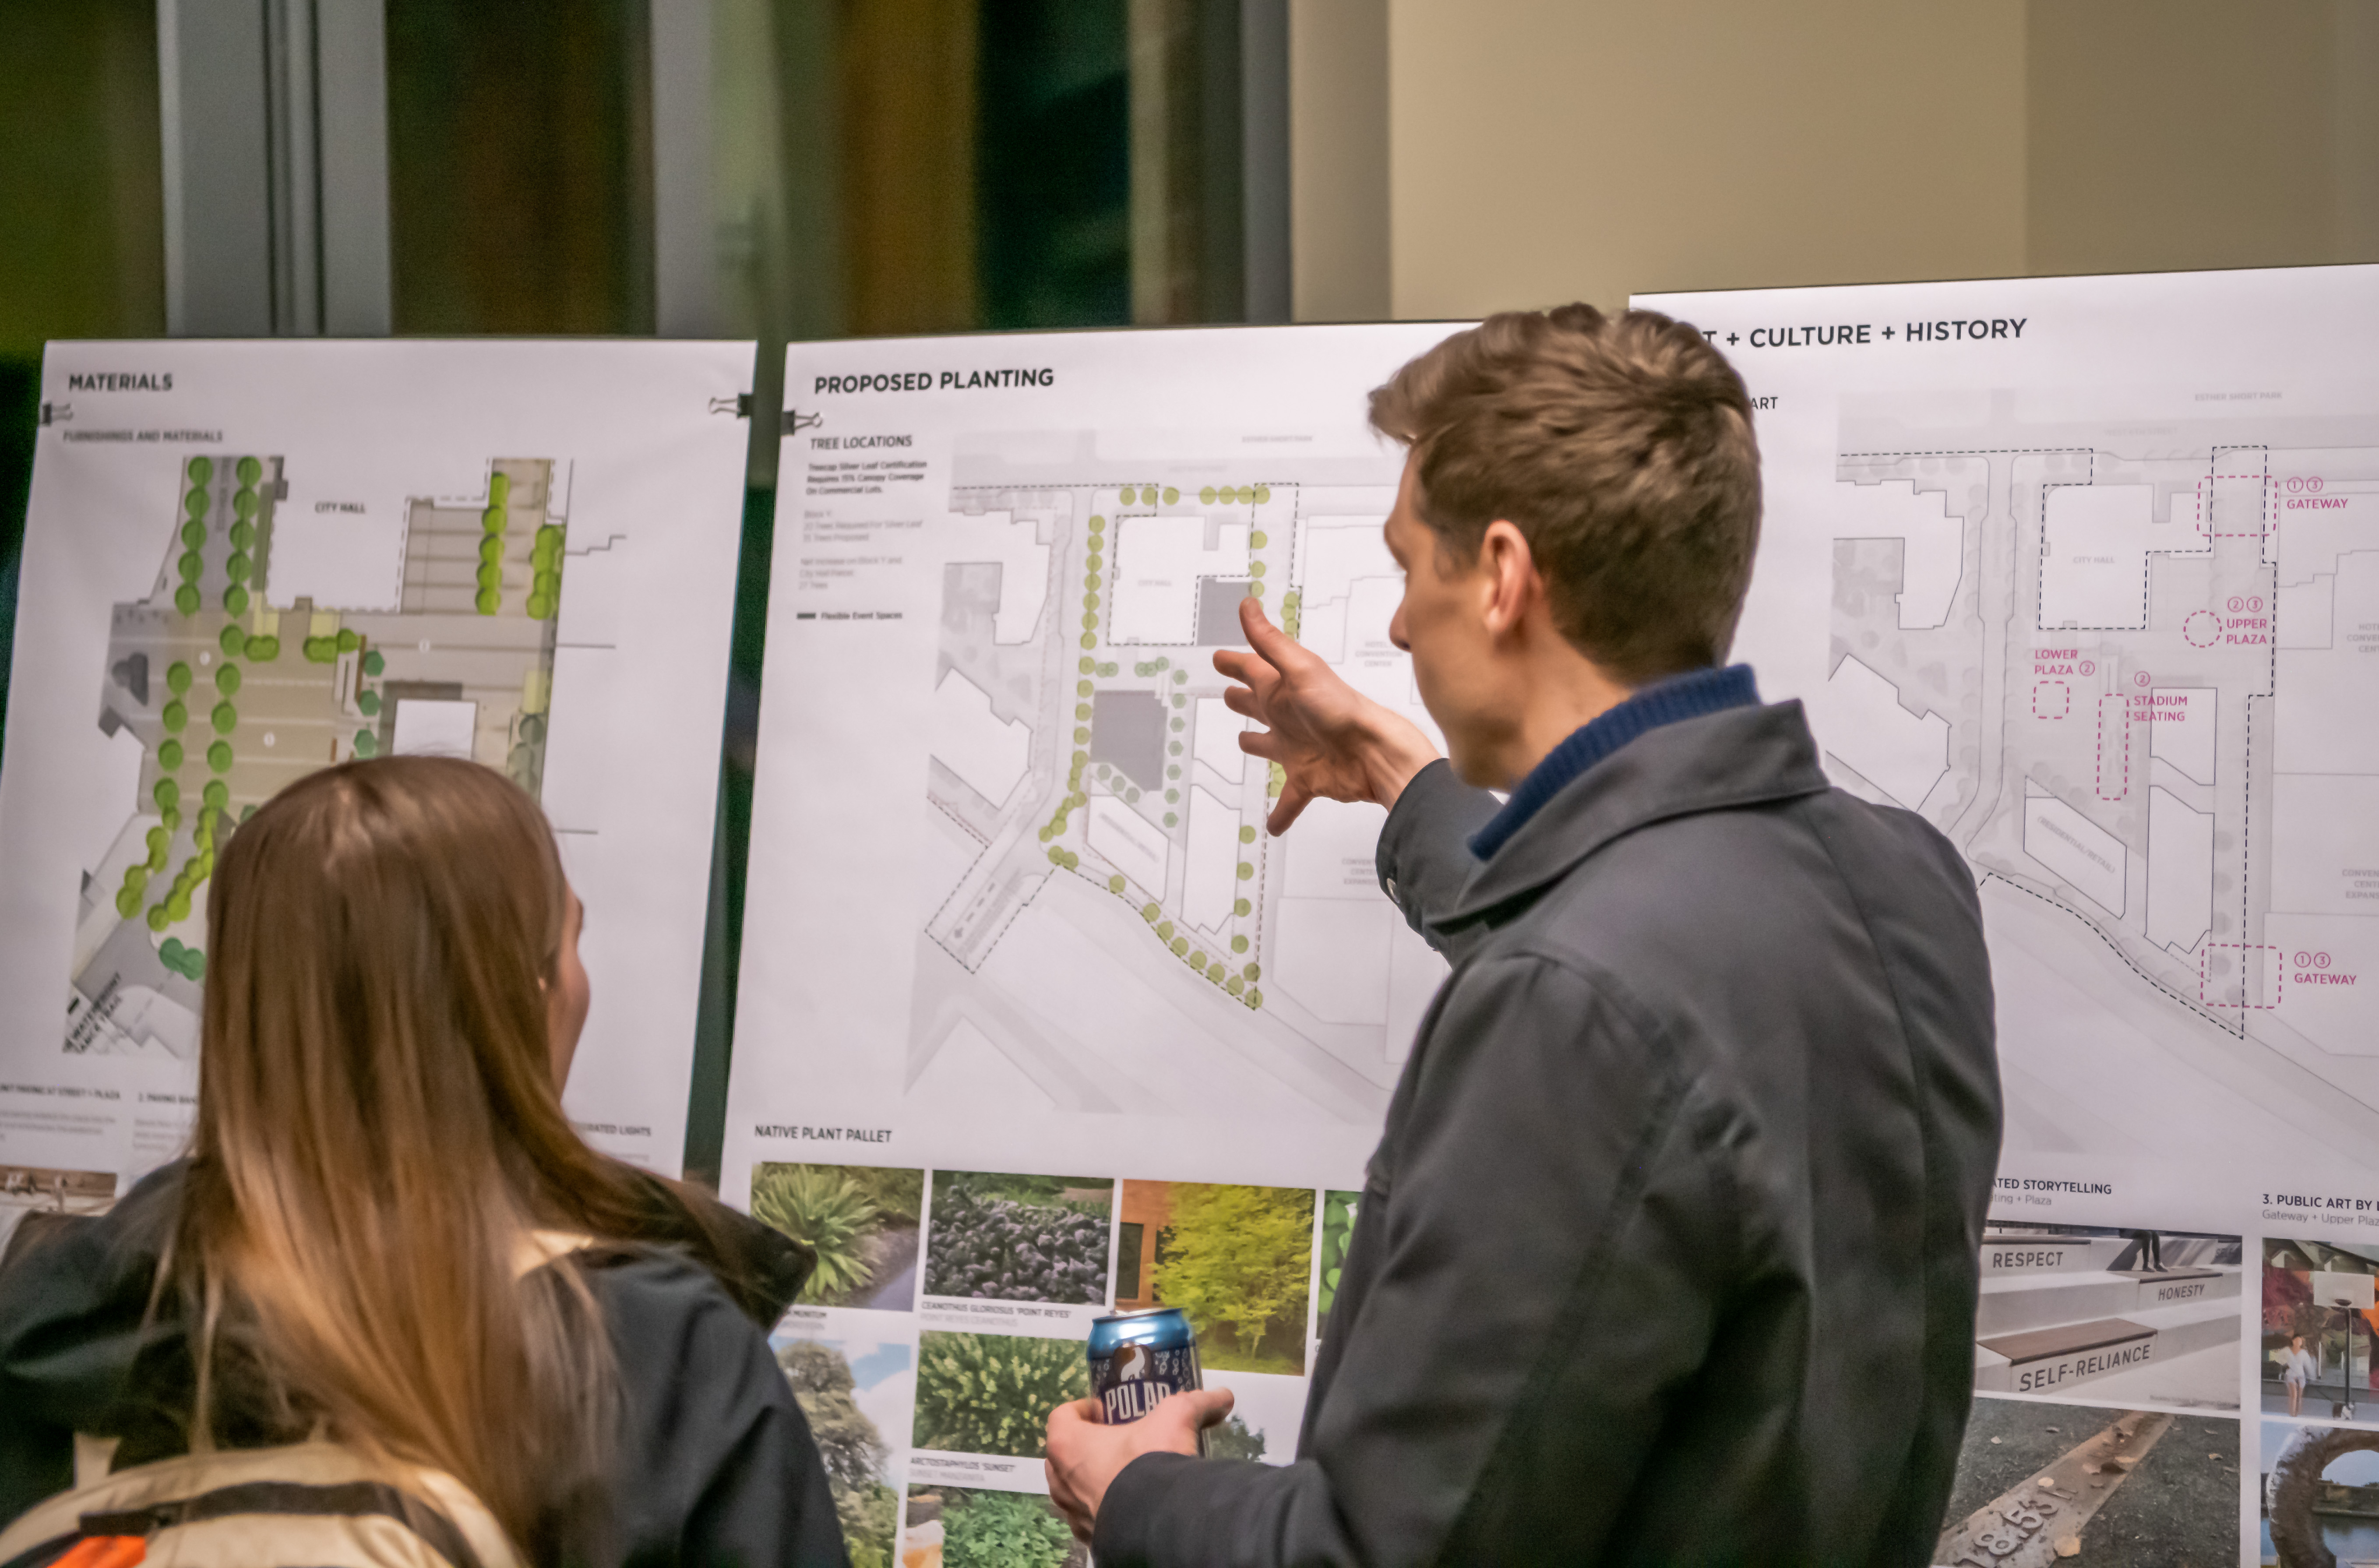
(2126, 722)
(2271, 511)
(2242, 948)
(2064, 692)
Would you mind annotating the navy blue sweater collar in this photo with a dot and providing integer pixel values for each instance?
(1665, 702)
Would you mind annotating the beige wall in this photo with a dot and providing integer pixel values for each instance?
(2202, 133)
(1542, 150)
(1539, 150)
(1338, 160)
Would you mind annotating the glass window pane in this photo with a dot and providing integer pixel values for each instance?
(520, 182)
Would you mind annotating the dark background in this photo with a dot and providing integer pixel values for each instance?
(948, 165)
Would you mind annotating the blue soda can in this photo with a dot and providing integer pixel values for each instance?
(1138, 1357)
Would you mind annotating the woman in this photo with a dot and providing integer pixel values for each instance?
(387, 1231)
(2297, 1370)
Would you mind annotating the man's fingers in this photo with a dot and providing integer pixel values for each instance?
(1276, 646)
(1213, 1404)
(1264, 743)
(1243, 667)
(1194, 1410)
(1293, 801)
(1245, 701)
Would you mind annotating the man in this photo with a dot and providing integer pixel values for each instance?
(1669, 1252)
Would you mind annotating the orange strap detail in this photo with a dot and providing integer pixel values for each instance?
(104, 1552)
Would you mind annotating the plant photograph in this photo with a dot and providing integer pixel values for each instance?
(975, 1528)
(1337, 1230)
(851, 1393)
(1019, 1237)
(862, 1219)
(1238, 1260)
(1234, 1440)
(992, 1393)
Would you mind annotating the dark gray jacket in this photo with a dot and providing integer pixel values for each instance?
(1669, 1252)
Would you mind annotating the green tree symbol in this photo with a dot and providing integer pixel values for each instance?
(249, 471)
(201, 469)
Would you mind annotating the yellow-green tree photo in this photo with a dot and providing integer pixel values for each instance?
(1239, 1260)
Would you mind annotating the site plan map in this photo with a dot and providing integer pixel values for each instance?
(1032, 1009)
(460, 663)
(246, 562)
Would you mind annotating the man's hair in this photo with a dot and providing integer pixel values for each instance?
(1620, 447)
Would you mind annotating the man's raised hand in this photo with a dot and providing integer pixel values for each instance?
(1333, 743)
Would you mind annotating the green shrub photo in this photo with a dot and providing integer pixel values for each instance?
(1234, 1440)
(1239, 1260)
(992, 1393)
(861, 1220)
(1019, 1237)
(975, 1528)
(1337, 1230)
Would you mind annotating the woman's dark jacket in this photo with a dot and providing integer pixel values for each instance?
(714, 1463)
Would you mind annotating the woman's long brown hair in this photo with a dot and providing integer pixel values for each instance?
(378, 1136)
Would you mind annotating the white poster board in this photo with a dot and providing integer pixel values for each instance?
(1016, 943)
(246, 560)
(2085, 570)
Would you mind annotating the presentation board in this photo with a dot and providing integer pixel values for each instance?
(2077, 568)
(244, 562)
(2086, 572)
(1033, 1015)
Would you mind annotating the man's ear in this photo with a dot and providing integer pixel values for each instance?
(1508, 580)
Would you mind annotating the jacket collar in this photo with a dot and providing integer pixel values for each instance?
(1741, 756)
(1680, 697)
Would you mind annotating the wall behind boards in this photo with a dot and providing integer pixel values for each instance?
(1536, 150)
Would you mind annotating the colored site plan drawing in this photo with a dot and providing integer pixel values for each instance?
(2133, 670)
(1107, 912)
(232, 683)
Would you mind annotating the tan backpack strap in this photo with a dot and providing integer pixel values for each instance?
(539, 1248)
(94, 1457)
